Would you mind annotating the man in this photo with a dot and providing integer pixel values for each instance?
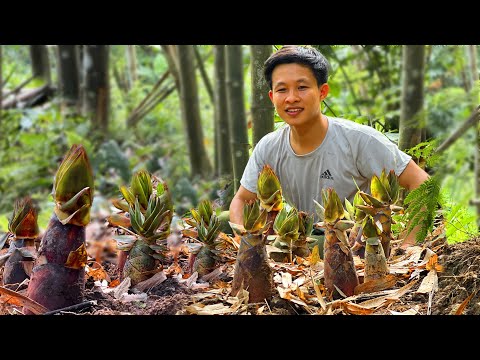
(316, 151)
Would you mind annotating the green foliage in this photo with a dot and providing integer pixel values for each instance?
(111, 162)
(426, 150)
(460, 223)
(421, 206)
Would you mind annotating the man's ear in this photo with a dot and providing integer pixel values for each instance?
(324, 88)
(270, 95)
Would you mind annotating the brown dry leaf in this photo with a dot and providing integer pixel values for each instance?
(119, 219)
(320, 298)
(301, 295)
(355, 309)
(299, 260)
(429, 283)
(24, 301)
(213, 309)
(10, 300)
(77, 259)
(228, 240)
(433, 264)
(387, 299)
(190, 233)
(97, 274)
(298, 301)
(383, 283)
(175, 268)
(114, 283)
(284, 293)
(464, 304)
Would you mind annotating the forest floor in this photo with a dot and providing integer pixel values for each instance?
(433, 279)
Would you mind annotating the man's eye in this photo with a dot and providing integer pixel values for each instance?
(280, 90)
(302, 87)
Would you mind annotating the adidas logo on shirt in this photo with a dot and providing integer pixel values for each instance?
(326, 175)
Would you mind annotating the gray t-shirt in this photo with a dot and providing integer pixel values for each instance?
(350, 151)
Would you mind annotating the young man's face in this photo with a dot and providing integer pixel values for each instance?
(296, 94)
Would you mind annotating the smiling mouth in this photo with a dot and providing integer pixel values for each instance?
(293, 111)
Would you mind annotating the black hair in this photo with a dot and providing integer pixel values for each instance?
(291, 54)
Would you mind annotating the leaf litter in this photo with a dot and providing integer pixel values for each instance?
(422, 280)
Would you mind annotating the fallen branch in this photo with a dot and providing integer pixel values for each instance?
(75, 307)
(31, 97)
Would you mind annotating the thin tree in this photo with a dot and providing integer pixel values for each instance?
(40, 63)
(236, 112)
(204, 74)
(1, 85)
(131, 56)
(69, 75)
(223, 154)
(190, 108)
(262, 108)
(97, 88)
(472, 57)
(412, 117)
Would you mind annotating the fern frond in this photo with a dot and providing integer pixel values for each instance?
(421, 206)
(426, 150)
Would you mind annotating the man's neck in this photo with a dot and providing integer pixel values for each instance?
(306, 139)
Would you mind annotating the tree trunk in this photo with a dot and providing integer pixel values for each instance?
(97, 89)
(236, 112)
(412, 117)
(69, 75)
(203, 73)
(223, 154)
(40, 63)
(131, 55)
(262, 108)
(472, 56)
(1, 85)
(199, 163)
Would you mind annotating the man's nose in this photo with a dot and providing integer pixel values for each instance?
(292, 96)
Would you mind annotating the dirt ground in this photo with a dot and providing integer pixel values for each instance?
(433, 279)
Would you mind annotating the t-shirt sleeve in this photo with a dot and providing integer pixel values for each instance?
(254, 166)
(380, 153)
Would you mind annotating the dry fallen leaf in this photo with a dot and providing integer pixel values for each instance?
(412, 311)
(387, 299)
(464, 304)
(433, 264)
(97, 274)
(77, 259)
(429, 283)
(383, 283)
(24, 301)
(355, 309)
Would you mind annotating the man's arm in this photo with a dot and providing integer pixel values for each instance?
(236, 206)
(411, 178)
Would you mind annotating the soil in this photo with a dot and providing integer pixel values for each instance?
(433, 279)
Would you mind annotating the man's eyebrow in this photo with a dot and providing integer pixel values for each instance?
(297, 81)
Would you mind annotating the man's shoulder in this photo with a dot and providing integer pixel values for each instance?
(274, 136)
(349, 127)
